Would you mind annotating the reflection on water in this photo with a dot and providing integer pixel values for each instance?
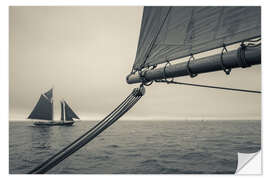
(44, 135)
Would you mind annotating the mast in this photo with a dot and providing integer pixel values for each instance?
(62, 111)
(52, 111)
(52, 105)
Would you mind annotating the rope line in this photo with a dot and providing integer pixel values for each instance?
(113, 112)
(145, 82)
(207, 86)
(125, 106)
(252, 43)
(191, 74)
(88, 138)
(226, 70)
(164, 71)
(155, 38)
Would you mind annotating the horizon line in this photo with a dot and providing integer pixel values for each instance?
(169, 119)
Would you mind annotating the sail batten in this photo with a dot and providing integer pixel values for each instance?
(191, 30)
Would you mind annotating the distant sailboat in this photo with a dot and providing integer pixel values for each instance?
(43, 113)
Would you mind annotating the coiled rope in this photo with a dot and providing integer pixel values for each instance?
(119, 111)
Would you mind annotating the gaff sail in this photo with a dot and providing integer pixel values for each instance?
(43, 109)
(169, 33)
(69, 113)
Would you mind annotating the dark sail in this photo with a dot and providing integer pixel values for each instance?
(49, 94)
(169, 33)
(43, 109)
(69, 113)
(62, 111)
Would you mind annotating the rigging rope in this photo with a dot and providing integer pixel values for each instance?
(226, 70)
(155, 38)
(252, 42)
(191, 74)
(125, 106)
(242, 63)
(207, 86)
(164, 71)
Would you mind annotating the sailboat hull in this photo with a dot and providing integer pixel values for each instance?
(54, 123)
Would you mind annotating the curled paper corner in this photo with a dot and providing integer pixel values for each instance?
(249, 163)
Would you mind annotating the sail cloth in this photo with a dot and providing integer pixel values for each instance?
(49, 94)
(169, 33)
(43, 109)
(70, 114)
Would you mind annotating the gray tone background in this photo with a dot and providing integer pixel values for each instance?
(86, 53)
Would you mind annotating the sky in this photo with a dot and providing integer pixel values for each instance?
(85, 53)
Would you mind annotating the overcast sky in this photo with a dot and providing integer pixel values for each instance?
(85, 53)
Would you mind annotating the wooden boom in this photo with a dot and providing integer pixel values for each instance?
(232, 59)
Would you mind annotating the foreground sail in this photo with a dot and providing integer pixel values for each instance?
(42, 113)
(169, 33)
(178, 32)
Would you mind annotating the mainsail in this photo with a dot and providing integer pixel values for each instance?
(43, 109)
(169, 33)
(69, 113)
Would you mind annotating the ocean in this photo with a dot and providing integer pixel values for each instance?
(137, 147)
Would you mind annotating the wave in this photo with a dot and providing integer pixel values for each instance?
(112, 146)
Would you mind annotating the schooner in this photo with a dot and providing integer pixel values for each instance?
(43, 112)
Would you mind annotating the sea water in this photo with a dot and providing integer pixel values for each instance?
(137, 147)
